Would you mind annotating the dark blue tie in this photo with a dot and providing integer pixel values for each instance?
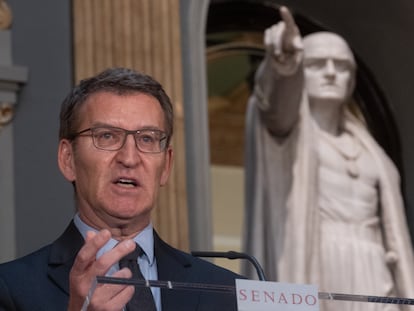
(142, 299)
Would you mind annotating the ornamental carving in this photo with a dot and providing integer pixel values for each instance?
(6, 114)
(5, 15)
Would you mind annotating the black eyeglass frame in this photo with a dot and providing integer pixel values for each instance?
(162, 141)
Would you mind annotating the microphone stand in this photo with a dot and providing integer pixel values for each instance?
(233, 255)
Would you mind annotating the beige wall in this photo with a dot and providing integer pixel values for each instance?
(227, 201)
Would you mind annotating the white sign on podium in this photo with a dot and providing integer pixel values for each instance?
(274, 296)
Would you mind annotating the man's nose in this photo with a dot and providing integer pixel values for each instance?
(129, 153)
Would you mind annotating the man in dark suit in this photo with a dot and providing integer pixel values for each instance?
(116, 179)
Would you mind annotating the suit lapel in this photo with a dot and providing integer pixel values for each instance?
(62, 256)
(172, 266)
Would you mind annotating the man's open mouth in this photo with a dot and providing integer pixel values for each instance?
(126, 182)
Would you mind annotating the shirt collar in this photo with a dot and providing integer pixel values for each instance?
(145, 239)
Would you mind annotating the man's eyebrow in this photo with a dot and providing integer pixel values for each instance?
(101, 124)
(151, 128)
(145, 127)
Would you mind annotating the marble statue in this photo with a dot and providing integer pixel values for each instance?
(323, 200)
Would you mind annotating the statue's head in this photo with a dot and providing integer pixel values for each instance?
(329, 67)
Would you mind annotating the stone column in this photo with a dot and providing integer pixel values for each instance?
(11, 78)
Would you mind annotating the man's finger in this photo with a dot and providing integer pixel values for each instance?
(87, 254)
(111, 295)
(113, 256)
(108, 290)
(113, 300)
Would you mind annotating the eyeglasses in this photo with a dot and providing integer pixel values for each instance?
(113, 138)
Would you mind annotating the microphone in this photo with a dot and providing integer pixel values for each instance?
(233, 255)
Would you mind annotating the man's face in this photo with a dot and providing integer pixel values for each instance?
(116, 188)
(329, 68)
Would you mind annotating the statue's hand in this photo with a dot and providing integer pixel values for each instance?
(283, 44)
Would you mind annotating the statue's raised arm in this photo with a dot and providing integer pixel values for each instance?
(279, 79)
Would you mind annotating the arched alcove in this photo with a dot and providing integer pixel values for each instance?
(231, 33)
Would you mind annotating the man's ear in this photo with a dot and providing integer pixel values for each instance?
(66, 160)
(167, 166)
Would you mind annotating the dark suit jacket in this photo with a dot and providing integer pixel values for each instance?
(40, 281)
